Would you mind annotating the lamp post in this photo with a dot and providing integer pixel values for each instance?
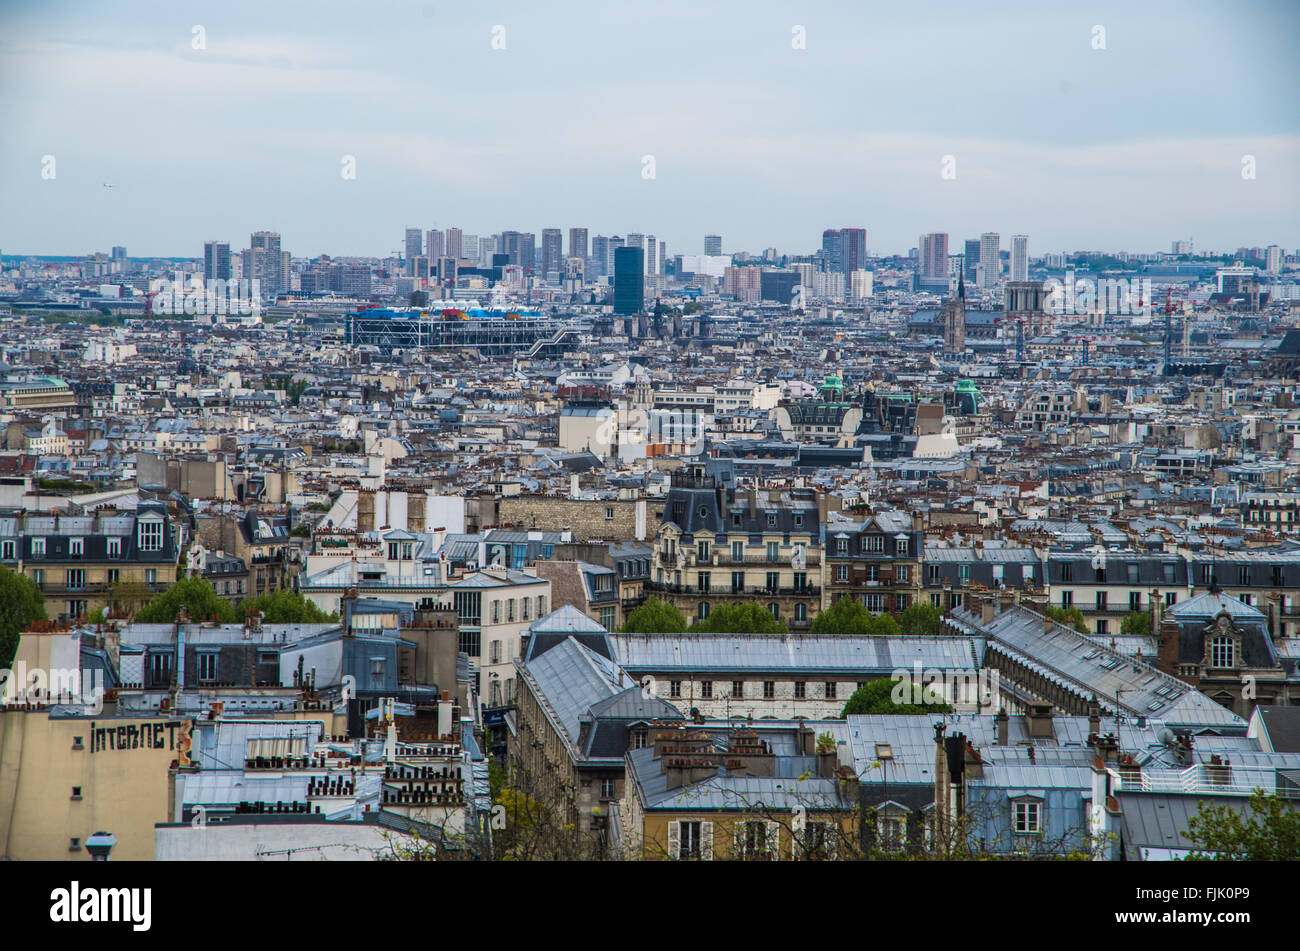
(99, 845)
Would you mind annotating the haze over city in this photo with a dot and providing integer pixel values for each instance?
(766, 122)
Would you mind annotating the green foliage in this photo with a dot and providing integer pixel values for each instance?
(739, 617)
(284, 607)
(921, 618)
(879, 697)
(96, 616)
(64, 486)
(293, 392)
(655, 617)
(21, 602)
(848, 616)
(1271, 833)
(1070, 617)
(1138, 622)
(301, 530)
(826, 743)
(198, 598)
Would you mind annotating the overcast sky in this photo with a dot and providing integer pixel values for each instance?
(1125, 148)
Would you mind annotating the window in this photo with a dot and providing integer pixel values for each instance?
(1027, 817)
(737, 581)
(775, 610)
(873, 543)
(800, 690)
(830, 690)
(76, 547)
(1171, 597)
(963, 572)
(771, 520)
(1135, 600)
(703, 581)
(936, 600)
(607, 789)
(706, 689)
(151, 535)
(609, 513)
(76, 579)
(151, 576)
(801, 611)
(471, 642)
(675, 689)
(607, 617)
(1243, 574)
(773, 580)
(1067, 571)
(541, 605)
(510, 610)
(902, 573)
(702, 610)
(800, 580)
(841, 546)
(769, 689)
(496, 612)
(842, 573)
(1103, 627)
(755, 840)
(1101, 600)
(638, 739)
(75, 845)
(1067, 599)
(7, 553)
(38, 548)
(875, 603)
(1222, 652)
(76, 792)
(702, 552)
(495, 652)
(77, 744)
(932, 574)
(737, 689)
(689, 840)
(901, 547)
(524, 611)
(891, 830)
(377, 671)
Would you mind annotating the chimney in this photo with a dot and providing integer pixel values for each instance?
(1038, 720)
(1094, 717)
(1167, 646)
(1003, 723)
(988, 608)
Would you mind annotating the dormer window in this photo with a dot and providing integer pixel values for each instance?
(76, 547)
(115, 548)
(1223, 652)
(38, 548)
(151, 535)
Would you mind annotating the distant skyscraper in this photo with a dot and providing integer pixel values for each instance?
(216, 260)
(713, 244)
(434, 244)
(629, 280)
(414, 243)
(933, 250)
(552, 250)
(971, 258)
(264, 263)
(1273, 259)
(853, 250)
(119, 253)
(653, 264)
(831, 244)
(454, 243)
(1019, 257)
(528, 251)
(990, 248)
(599, 255)
(486, 248)
(578, 243)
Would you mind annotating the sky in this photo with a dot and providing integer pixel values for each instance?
(1096, 126)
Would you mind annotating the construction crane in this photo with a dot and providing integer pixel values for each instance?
(148, 303)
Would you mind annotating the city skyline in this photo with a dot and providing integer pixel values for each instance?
(770, 126)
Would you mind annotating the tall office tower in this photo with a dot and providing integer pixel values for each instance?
(414, 243)
(1181, 248)
(853, 251)
(990, 249)
(860, 284)
(652, 262)
(599, 255)
(629, 280)
(528, 251)
(216, 260)
(1273, 259)
(832, 243)
(615, 243)
(933, 264)
(452, 248)
(634, 241)
(970, 258)
(419, 266)
(468, 247)
(433, 244)
(119, 253)
(509, 246)
(486, 248)
(263, 262)
(552, 250)
(1020, 257)
(713, 244)
(578, 243)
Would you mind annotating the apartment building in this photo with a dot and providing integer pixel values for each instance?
(876, 559)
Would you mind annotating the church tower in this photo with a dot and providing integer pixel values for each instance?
(954, 315)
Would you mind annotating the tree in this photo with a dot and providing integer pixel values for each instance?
(1139, 622)
(882, 696)
(921, 618)
(21, 603)
(198, 598)
(284, 607)
(1269, 831)
(655, 617)
(739, 617)
(848, 616)
(1070, 617)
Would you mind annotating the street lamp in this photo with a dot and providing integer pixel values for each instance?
(99, 845)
